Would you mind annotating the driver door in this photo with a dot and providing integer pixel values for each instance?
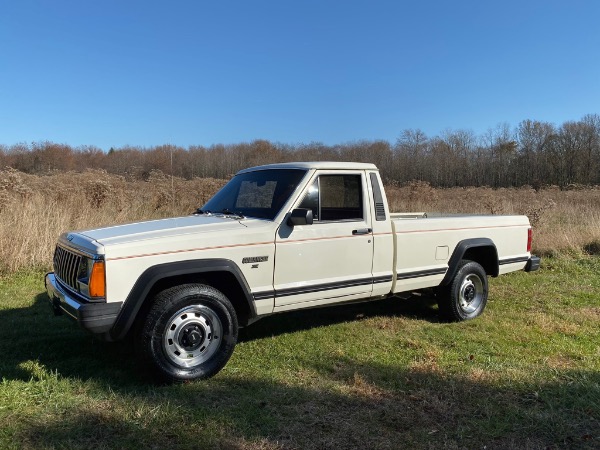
(331, 260)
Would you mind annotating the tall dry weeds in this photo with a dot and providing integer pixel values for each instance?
(564, 221)
(35, 210)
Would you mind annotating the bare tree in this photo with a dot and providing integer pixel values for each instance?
(533, 153)
(534, 139)
(410, 154)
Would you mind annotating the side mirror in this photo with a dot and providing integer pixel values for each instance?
(300, 216)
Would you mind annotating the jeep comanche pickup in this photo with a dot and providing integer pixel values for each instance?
(276, 238)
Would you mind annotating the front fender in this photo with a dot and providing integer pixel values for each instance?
(151, 276)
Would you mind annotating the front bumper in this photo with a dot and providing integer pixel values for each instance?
(533, 264)
(94, 317)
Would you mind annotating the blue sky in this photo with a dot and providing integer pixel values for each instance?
(114, 73)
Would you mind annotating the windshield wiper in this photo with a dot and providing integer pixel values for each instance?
(227, 212)
(202, 211)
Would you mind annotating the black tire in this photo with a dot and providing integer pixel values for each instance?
(466, 295)
(189, 333)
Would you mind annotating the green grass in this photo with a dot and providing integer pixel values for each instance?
(386, 374)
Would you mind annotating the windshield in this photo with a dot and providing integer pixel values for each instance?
(256, 194)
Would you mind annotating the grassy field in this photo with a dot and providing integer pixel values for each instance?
(380, 375)
(388, 374)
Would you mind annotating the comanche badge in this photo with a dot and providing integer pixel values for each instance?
(254, 259)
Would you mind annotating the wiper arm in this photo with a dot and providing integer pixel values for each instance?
(202, 211)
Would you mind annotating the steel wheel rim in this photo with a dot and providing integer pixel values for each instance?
(470, 294)
(192, 336)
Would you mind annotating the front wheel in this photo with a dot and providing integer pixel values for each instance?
(189, 333)
(466, 296)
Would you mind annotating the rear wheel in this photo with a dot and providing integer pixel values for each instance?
(189, 333)
(466, 296)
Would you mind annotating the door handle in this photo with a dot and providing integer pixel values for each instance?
(362, 231)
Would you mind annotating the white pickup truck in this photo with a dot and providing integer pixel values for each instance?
(276, 238)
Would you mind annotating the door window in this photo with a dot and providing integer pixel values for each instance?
(335, 198)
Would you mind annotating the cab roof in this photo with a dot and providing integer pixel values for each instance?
(322, 165)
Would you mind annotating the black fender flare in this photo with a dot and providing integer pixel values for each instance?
(492, 267)
(148, 279)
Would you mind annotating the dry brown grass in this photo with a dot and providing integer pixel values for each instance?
(34, 210)
(564, 221)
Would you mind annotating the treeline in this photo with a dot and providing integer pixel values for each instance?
(534, 153)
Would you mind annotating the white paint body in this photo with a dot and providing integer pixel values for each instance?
(324, 254)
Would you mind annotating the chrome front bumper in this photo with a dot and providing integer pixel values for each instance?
(94, 317)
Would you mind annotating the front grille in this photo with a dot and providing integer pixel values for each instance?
(66, 266)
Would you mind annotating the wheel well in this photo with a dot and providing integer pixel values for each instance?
(485, 256)
(226, 282)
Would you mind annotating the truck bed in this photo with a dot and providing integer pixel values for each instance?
(424, 245)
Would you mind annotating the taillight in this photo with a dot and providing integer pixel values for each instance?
(529, 238)
(97, 286)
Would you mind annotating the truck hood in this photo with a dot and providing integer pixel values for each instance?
(157, 229)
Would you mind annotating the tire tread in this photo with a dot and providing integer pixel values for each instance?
(149, 344)
(447, 298)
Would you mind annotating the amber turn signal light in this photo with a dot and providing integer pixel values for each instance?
(97, 286)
